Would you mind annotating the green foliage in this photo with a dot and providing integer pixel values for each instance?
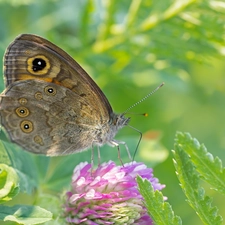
(160, 211)
(9, 184)
(192, 163)
(22, 214)
(189, 170)
(209, 168)
(23, 164)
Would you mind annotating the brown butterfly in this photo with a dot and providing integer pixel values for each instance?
(51, 105)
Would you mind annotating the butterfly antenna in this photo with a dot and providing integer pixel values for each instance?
(143, 99)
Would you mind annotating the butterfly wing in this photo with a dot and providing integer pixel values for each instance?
(47, 118)
(32, 57)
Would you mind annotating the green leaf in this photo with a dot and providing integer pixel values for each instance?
(24, 214)
(160, 211)
(60, 174)
(42, 164)
(9, 183)
(209, 167)
(47, 201)
(24, 164)
(189, 180)
(4, 156)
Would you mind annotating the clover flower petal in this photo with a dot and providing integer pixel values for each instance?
(108, 195)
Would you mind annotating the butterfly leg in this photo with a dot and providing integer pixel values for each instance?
(92, 157)
(127, 149)
(116, 144)
(99, 156)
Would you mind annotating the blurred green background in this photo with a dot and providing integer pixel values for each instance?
(129, 48)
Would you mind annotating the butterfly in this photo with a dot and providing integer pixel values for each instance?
(51, 105)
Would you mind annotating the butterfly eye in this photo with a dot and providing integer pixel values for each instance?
(23, 101)
(38, 65)
(22, 111)
(38, 139)
(38, 95)
(26, 126)
(50, 90)
(115, 121)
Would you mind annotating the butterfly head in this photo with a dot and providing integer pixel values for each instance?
(119, 121)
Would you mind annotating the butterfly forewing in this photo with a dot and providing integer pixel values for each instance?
(33, 57)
